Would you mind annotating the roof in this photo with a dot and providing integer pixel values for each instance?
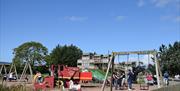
(86, 53)
(5, 63)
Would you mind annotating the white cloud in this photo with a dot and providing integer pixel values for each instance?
(120, 18)
(75, 18)
(177, 19)
(161, 3)
(168, 17)
(171, 18)
(140, 3)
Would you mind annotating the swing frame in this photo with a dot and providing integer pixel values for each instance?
(23, 75)
(3, 66)
(13, 66)
(114, 54)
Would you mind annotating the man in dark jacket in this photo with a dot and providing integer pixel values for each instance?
(130, 79)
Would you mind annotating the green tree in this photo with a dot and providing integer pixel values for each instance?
(29, 52)
(66, 55)
(170, 58)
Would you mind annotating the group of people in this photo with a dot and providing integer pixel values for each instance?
(119, 79)
(9, 77)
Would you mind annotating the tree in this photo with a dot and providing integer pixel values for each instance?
(29, 52)
(151, 68)
(170, 58)
(66, 55)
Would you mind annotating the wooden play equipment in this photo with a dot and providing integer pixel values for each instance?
(65, 76)
(3, 66)
(24, 75)
(48, 82)
(114, 54)
(13, 69)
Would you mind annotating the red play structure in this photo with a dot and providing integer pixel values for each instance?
(65, 74)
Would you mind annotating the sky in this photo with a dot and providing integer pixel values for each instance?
(92, 25)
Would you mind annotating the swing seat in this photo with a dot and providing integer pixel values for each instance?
(144, 87)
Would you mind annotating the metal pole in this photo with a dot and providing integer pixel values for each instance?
(157, 70)
(112, 70)
(138, 60)
(148, 59)
(126, 68)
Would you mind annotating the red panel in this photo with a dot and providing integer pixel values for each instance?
(85, 76)
(69, 72)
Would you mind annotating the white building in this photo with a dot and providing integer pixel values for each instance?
(93, 61)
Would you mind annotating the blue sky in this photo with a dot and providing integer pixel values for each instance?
(92, 25)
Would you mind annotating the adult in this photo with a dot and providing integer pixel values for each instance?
(122, 79)
(114, 79)
(117, 80)
(130, 79)
(166, 78)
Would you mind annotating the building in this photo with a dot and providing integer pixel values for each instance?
(93, 61)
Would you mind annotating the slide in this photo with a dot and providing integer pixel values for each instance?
(98, 74)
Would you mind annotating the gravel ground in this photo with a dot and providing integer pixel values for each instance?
(136, 87)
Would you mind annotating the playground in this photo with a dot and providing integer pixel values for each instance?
(89, 45)
(136, 87)
(66, 78)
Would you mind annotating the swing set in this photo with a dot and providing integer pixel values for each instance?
(3, 71)
(146, 52)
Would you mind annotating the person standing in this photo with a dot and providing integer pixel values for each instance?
(166, 78)
(130, 79)
(117, 80)
(122, 79)
(114, 79)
